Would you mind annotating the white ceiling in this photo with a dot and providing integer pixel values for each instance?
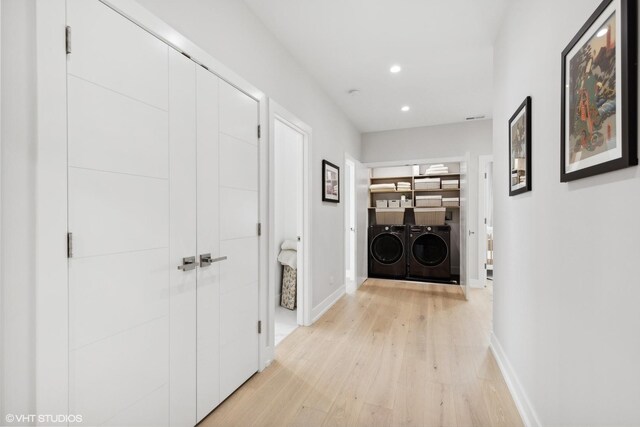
(443, 46)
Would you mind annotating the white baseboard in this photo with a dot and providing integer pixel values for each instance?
(526, 410)
(361, 281)
(328, 302)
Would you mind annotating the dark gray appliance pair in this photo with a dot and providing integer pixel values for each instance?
(416, 252)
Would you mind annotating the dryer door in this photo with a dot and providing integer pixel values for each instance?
(430, 250)
(387, 248)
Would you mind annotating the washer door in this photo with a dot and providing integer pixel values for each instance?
(387, 248)
(430, 250)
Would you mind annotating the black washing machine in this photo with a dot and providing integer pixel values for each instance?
(429, 254)
(387, 251)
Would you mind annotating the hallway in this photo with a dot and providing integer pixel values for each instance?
(392, 354)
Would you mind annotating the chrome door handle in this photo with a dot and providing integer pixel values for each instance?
(206, 260)
(188, 263)
(471, 232)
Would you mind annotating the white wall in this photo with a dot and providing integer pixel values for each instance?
(566, 287)
(18, 205)
(438, 142)
(231, 33)
(288, 163)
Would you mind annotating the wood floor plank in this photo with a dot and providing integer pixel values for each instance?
(392, 354)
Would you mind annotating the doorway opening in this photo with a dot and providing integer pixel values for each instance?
(289, 220)
(350, 225)
(485, 242)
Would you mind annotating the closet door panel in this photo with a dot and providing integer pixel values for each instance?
(238, 152)
(150, 411)
(239, 215)
(238, 114)
(111, 212)
(241, 266)
(183, 232)
(117, 372)
(105, 300)
(208, 334)
(113, 52)
(108, 131)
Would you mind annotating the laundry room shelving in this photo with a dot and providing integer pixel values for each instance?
(394, 194)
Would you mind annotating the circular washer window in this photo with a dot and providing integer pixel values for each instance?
(430, 250)
(387, 248)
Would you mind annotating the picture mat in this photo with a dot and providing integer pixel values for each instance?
(615, 153)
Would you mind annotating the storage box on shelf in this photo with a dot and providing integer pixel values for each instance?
(451, 202)
(394, 203)
(450, 184)
(428, 201)
(382, 203)
(427, 184)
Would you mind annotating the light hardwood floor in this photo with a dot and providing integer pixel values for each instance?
(393, 354)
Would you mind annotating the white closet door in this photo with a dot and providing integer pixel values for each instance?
(119, 216)
(182, 150)
(238, 238)
(208, 347)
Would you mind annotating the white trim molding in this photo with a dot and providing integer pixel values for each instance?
(519, 395)
(328, 302)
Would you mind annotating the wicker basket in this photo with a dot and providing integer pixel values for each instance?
(390, 216)
(429, 216)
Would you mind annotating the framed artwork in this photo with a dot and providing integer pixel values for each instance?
(520, 149)
(599, 93)
(330, 182)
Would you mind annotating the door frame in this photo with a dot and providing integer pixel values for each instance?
(277, 112)
(51, 294)
(350, 198)
(483, 161)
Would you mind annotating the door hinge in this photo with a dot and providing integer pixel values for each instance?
(485, 175)
(259, 326)
(68, 39)
(259, 132)
(259, 229)
(485, 220)
(485, 265)
(69, 245)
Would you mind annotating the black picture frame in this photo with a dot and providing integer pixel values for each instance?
(330, 182)
(522, 114)
(593, 136)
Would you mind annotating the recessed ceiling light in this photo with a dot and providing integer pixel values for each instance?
(395, 69)
(406, 108)
(602, 32)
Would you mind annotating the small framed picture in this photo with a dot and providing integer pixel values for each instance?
(520, 149)
(599, 93)
(330, 182)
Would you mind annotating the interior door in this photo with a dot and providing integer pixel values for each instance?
(118, 196)
(464, 226)
(238, 168)
(182, 191)
(208, 347)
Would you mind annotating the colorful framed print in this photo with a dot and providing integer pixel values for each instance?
(330, 182)
(599, 93)
(520, 149)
